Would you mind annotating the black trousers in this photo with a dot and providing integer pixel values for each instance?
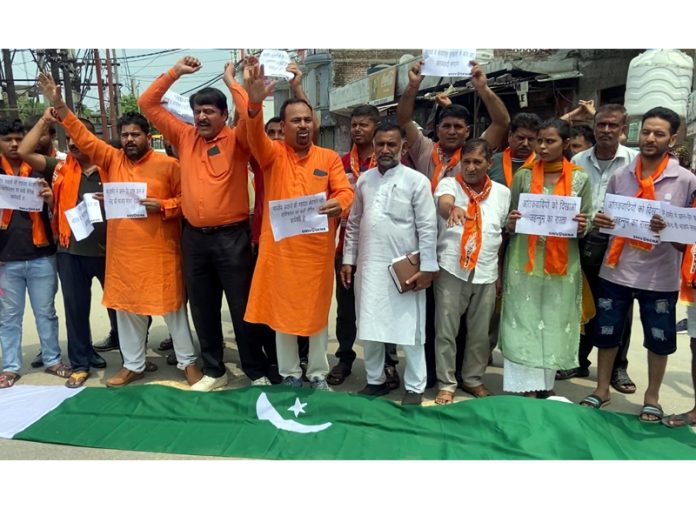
(591, 272)
(217, 261)
(76, 273)
(346, 328)
(262, 332)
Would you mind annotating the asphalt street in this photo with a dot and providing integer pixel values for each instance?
(676, 395)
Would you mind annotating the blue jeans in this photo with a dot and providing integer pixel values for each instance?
(39, 277)
(658, 314)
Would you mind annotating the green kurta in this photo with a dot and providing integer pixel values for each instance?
(540, 322)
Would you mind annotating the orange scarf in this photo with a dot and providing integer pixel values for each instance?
(646, 190)
(556, 251)
(65, 189)
(439, 170)
(507, 164)
(355, 162)
(688, 274)
(688, 271)
(38, 232)
(473, 228)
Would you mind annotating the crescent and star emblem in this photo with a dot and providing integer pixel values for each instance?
(265, 411)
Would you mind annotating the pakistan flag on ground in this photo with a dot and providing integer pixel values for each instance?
(282, 423)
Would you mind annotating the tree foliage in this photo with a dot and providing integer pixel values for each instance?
(128, 103)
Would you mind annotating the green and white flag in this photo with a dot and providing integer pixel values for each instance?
(282, 423)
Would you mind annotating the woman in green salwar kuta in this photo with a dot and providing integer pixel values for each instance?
(542, 291)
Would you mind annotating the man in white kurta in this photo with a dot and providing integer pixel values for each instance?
(393, 214)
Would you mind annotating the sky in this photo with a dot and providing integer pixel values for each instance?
(140, 67)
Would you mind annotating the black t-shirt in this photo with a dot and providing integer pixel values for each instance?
(17, 242)
(95, 243)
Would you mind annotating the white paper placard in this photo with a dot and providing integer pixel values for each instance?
(275, 63)
(122, 200)
(681, 224)
(78, 218)
(631, 217)
(447, 62)
(93, 208)
(548, 215)
(178, 105)
(20, 193)
(297, 216)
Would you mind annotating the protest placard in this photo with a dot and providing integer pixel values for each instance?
(122, 200)
(20, 193)
(178, 105)
(631, 217)
(681, 224)
(548, 215)
(274, 63)
(78, 218)
(447, 62)
(298, 216)
(93, 208)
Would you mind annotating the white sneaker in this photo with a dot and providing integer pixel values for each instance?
(208, 383)
(261, 381)
(320, 384)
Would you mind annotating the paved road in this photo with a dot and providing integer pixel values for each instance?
(677, 394)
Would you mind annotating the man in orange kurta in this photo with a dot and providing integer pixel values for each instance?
(293, 281)
(143, 259)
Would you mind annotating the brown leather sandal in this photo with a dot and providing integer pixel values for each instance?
(8, 379)
(60, 370)
(444, 397)
(480, 391)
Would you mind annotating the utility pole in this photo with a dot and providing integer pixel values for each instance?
(11, 110)
(117, 87)
(53, 59)
(67, 79)
(100, 87)
(112, 104)
(2, 93)
(134, 88)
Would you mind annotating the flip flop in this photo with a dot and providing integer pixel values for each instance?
(8, 379)
(594, 401)
(654, 410)
(678, 420)
(60, 370)
(77, 379)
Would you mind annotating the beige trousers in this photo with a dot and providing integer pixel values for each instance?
(455, 297)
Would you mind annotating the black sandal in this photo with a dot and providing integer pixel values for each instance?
(620, 380)
(338, 374)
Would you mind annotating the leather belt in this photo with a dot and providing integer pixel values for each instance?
(215, 229)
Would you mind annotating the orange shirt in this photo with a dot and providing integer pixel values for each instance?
(293, 280)
(143, 256)
(213, 172)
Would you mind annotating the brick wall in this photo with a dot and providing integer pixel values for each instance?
(352, 64)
